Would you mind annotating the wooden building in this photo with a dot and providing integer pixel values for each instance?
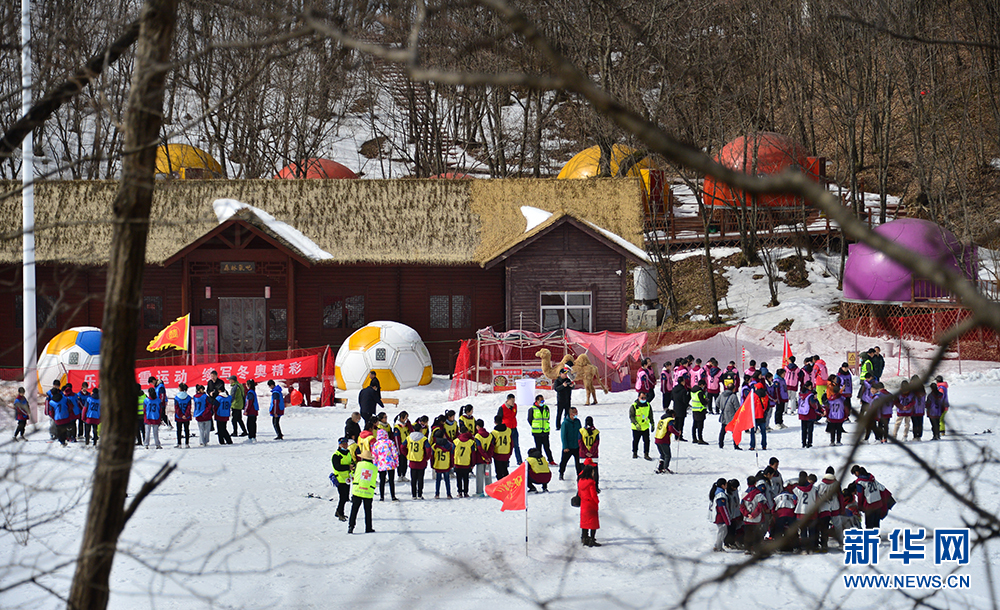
(312, 261)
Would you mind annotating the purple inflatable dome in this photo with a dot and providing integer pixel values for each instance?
(870, 275)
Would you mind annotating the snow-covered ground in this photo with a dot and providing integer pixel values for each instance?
(234, 527)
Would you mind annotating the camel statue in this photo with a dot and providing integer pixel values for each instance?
(588, 372)
(552, 372)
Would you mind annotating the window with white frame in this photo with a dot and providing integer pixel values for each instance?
(571, 310)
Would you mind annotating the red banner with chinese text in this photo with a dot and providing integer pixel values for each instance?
(171, 376)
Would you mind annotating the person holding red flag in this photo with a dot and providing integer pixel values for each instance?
(758, 396)
(743, 420)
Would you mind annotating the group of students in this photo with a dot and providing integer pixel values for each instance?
(377, 452)
(78, 414)
(912, 404)
(770, 508)
(212, 406)
(71, 415)
(813, 393)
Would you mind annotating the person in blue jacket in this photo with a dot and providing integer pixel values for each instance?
(223, 410)
(277, 408)
(21, 413)
(202, 414)
(92, 416)
(62, 415)
(251, 408)
(153, 409)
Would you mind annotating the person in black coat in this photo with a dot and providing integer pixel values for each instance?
(369, 398)
(214, 387)
(352, 429)
(878, 363)
(681, 397)
(563, 386)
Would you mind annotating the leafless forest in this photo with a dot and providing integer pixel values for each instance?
(902, 97)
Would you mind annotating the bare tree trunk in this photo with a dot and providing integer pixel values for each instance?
(106, 513)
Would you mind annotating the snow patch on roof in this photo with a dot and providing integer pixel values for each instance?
(621, 241)
(533, 217)
(225, 208)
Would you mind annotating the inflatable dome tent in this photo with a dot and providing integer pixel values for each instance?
(872, 277)
(186, 162)
(77, 349)
(316, 169)
(586, 164)
(761, 154)
(393, 350)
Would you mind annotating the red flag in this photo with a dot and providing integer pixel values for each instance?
(786, 352)
(174, 335)
(743, 420)
(512, 489)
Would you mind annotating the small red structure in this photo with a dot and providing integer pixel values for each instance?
(452, 176)
(316, 168)
(761, 154)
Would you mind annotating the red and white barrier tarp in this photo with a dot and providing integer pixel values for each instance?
(171, 376)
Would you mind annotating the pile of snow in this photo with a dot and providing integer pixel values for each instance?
(533, 217)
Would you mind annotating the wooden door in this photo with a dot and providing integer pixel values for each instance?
(204, 344)
(242, 325)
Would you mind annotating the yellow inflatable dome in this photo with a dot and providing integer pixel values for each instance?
(186, 162)
(586, 163)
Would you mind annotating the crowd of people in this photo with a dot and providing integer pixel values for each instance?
(770, 509)
(811, 392)
(77, 415)
(374, 453)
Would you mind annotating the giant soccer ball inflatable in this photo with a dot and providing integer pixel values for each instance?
(393, 350)
(76, 349)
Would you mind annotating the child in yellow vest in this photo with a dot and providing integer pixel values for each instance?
(538, 470)
(442, 462)
(465, 456)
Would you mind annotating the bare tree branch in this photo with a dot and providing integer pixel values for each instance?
(43, 109)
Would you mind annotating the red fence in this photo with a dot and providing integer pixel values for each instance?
(927, 325)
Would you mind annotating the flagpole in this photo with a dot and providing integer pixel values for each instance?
(525, 513)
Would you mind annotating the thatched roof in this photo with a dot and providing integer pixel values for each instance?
(372, 221)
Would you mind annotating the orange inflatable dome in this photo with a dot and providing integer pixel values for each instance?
(759, 154)
(316, 169)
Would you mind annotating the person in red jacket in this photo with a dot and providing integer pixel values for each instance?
(590, 521)
(508, 411)
(501, 443)
(820, 376)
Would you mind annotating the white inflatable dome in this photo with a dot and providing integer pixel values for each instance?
(393, 350)
(78, 348)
